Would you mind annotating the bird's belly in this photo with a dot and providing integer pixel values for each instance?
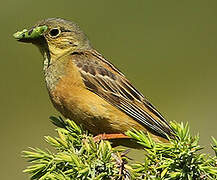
(91, 111)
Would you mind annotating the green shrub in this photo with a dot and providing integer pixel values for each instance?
(77, 156)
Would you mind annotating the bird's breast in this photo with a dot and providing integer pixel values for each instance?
(70, 96)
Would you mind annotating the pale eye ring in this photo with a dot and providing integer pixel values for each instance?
(54, 32)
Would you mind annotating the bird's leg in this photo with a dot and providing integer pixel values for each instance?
(99, 137)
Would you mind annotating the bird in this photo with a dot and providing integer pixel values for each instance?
(87, 88)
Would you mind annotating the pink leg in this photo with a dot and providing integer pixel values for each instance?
(99, 137)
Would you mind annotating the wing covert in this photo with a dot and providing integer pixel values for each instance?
(103, 79)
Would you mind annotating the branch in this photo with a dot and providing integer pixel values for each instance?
(77, 156)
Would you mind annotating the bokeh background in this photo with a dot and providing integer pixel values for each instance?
(168, 49)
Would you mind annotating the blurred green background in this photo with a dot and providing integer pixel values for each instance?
(168, 49)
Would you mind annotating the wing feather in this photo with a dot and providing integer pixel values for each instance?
(103, 79)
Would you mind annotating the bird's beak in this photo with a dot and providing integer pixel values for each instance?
(30, 35)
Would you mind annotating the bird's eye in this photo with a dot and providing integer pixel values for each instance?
(54, 32)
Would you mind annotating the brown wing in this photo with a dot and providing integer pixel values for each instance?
(103, 79)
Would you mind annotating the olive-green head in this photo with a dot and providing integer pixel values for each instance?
(56, 35)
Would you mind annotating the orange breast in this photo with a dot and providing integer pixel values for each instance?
(75, 102)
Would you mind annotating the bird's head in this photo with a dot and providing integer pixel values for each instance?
(55, 36)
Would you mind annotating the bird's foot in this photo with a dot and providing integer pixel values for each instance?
(99, 137)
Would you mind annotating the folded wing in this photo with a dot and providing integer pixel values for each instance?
(103, 79)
